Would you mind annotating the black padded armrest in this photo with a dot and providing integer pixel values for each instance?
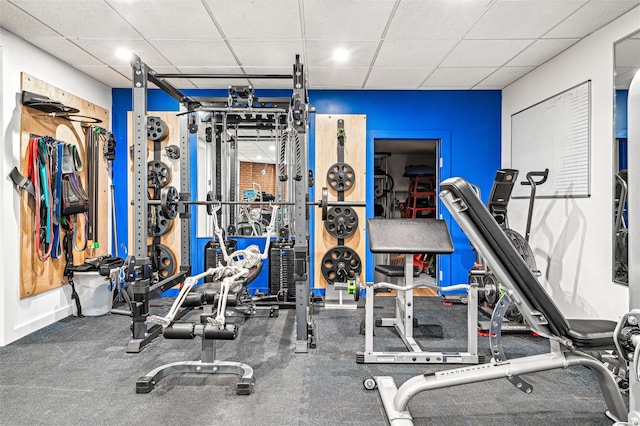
(395, 270)
(409, 236)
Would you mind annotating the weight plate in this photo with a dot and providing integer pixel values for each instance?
(157, 129)
(158, 173)
(161, 226)
(173, 152)
(341, 176)
(169, 202)
(163, 260)
(340, 264)
(323, 203)
(492, 292)
(342, 222)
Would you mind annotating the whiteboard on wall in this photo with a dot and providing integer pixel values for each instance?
(554, 134)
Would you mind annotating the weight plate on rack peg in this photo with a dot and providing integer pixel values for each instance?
(157, 129)
(166, 263)
(341, 176)
(342, 222)
(158, 173)
(340, 264)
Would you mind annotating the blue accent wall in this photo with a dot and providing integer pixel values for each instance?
(468, 124)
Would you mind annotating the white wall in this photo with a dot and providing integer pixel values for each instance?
(572, 238)
(19, 317)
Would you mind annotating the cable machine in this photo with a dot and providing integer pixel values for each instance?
(240, 106)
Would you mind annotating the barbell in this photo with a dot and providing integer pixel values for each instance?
(169, 203)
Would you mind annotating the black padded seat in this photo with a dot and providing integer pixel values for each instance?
(587, 333)
(395, 271)
(206, 292)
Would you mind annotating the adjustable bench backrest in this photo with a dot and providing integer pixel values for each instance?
(522, 281)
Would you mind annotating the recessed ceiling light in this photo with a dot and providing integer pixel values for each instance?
(340, 55)
(124, 53)
(258, 157)
(272, 148)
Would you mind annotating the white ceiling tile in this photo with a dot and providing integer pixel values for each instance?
(180, 83)
(346, 20)
(264, 19)
(397, 78)
(484, 53)
(64, 50)
(522, 19)
(149, 17)
(21, 24)
(271, 83)
(215, 83)
(199, 54)
(503, 76)
(413, 53)
(80, 19)
(540, 52)
(337, 78)
(106, 75)
(262, 53)
(591, 17)
(457, 78)
(319, 53)
(435, 19)
(105, 50)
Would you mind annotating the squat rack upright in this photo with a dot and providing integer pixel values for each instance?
(297, 107)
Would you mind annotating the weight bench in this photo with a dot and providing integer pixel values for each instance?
(207, 296)
(568, 338)
(409, 236)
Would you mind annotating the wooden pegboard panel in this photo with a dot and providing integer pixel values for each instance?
(37, 276)
(172, 238)
(326, 154)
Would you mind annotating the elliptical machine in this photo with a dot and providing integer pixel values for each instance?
(480, 274)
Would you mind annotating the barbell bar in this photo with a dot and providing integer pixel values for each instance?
(170, 200)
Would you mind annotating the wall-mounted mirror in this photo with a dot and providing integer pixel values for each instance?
(237, 161)
(626, 64)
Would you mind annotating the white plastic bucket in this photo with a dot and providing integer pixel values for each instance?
(92, 289)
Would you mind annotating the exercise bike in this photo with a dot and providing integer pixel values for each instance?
(481, 275)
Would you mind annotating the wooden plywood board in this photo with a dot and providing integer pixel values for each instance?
(172, 238)
(37, 276)
(326, 154)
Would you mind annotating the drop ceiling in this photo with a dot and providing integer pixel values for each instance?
(393, 44)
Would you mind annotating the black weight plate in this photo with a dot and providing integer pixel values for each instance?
(162, 225)
(341, 176)
(165, 262)
(340, 264)
(158, 173)
(342, 222)
(157, 129)
(169, 202)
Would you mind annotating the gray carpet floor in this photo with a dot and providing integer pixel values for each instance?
(76, 372)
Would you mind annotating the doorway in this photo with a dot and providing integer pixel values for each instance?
(405, 186)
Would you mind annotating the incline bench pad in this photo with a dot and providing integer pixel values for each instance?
(409, 236)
